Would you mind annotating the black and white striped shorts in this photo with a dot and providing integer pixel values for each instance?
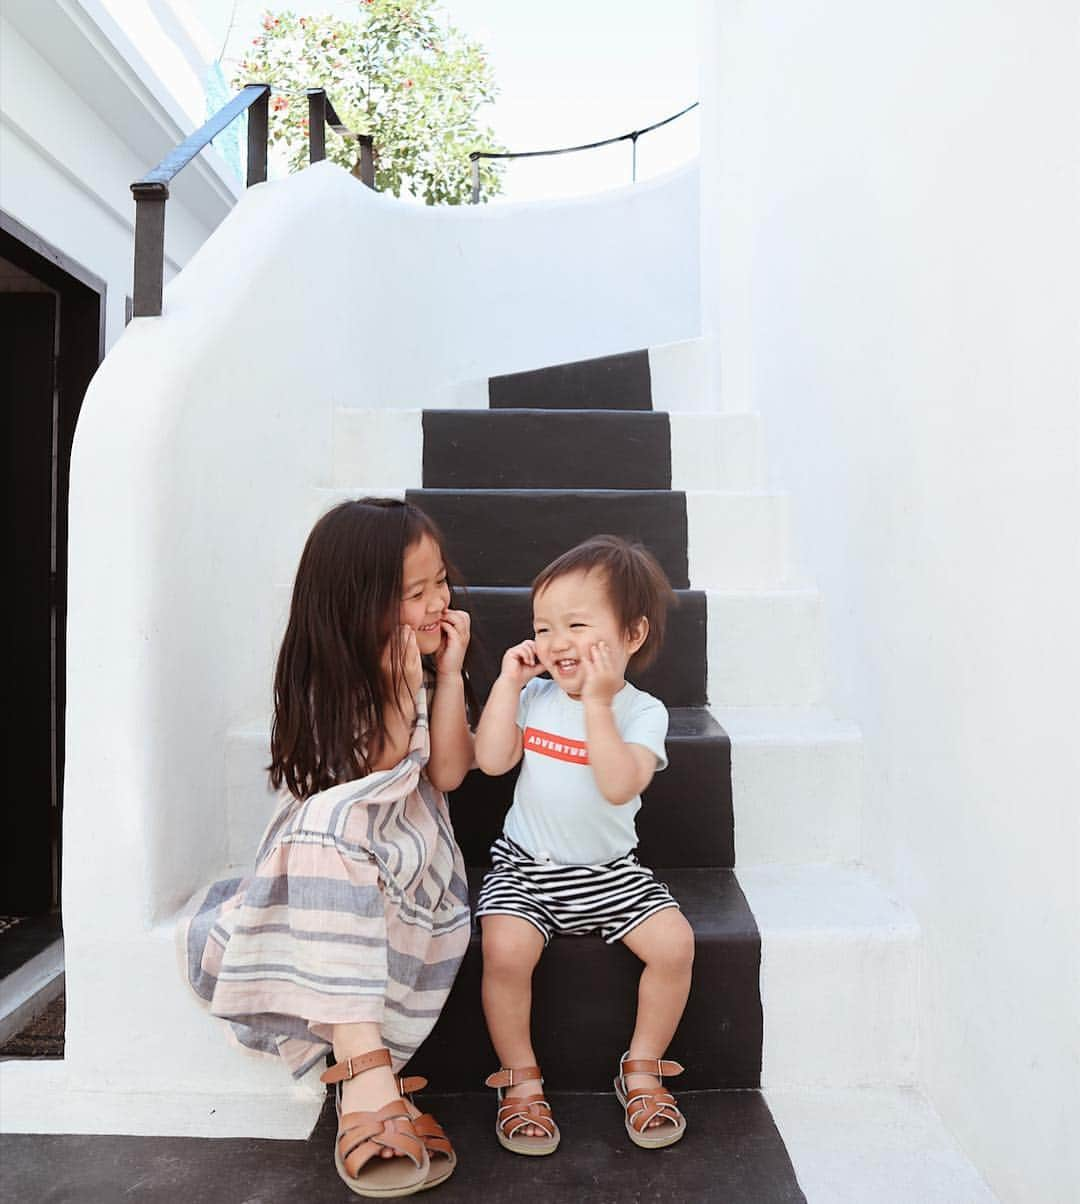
(573, 900)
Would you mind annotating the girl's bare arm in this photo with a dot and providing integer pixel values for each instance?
(451, 741)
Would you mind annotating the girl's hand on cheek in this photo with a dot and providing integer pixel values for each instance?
(456, 629)
(401, 650)
(521, 663)
(602, 679)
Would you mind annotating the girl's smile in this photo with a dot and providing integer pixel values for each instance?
(425, 594)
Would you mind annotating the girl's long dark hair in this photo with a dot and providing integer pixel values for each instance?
(330, 690)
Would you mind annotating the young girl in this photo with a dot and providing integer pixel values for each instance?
(564, 863)
(351, 930)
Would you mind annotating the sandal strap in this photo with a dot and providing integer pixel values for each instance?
(413, 1082)
(349, 1068)
(650, 1106)
(525, 1111)
(432, 1134)
(362, 1134)
(505, 1077)
(658, 1066)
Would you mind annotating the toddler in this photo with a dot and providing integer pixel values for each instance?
(564, 864)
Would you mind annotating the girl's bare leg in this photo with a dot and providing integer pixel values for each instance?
(372, 1090)
(512, 947)
(665, 943)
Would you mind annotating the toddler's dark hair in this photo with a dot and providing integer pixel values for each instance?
(636, 584)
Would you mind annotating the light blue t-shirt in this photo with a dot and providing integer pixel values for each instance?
(558, 813)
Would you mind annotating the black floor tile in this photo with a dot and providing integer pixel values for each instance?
(732, 1152)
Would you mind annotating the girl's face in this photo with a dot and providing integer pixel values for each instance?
(425, 593)
(571, 615)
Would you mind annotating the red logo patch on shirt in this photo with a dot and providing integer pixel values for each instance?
(559, 747)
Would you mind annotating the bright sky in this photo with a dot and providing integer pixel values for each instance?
(569, 71)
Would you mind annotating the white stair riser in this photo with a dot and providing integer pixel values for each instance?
(737, 541)
(839, 983)
(679, 372)
(249, 800)
(717, 451)
(797, 798)
(377, 448)
(184, 1055)
(840, 1011)
(765, 648)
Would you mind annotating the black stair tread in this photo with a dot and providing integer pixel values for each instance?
(506, 536)
(620, 381)
(546, 449)
(693, 723)
(686, 817)
(732, 1151)
(502, 616)
(585, 993)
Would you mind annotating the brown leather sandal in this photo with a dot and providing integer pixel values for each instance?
(362, 1135)
(517, 1114)
(440, 1152)
(645, 1104)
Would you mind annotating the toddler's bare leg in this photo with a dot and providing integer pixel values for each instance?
(665, 943)
(512, 947)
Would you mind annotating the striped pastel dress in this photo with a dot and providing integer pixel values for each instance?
(357, 911)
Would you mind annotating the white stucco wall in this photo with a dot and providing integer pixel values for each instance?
(890, 257)
(82, 115)
(199, 446)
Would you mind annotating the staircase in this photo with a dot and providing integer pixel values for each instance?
(800, 1034)
(806, 972)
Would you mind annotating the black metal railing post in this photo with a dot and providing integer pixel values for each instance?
(149, 282)
(152, 191)
(367, 160)
(321, 113)
(258, 138)
(316, 110)
(475, 157)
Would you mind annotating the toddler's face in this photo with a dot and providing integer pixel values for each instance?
(425, 593)
(571, 615)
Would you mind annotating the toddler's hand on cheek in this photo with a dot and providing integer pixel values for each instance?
(602, 678)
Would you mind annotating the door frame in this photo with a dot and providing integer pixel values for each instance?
(81, 315)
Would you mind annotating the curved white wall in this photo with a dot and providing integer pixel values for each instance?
(198, 446)
(890, 262)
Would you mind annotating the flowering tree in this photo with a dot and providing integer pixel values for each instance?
(395, 73)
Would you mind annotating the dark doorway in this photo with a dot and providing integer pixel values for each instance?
(51, 342)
